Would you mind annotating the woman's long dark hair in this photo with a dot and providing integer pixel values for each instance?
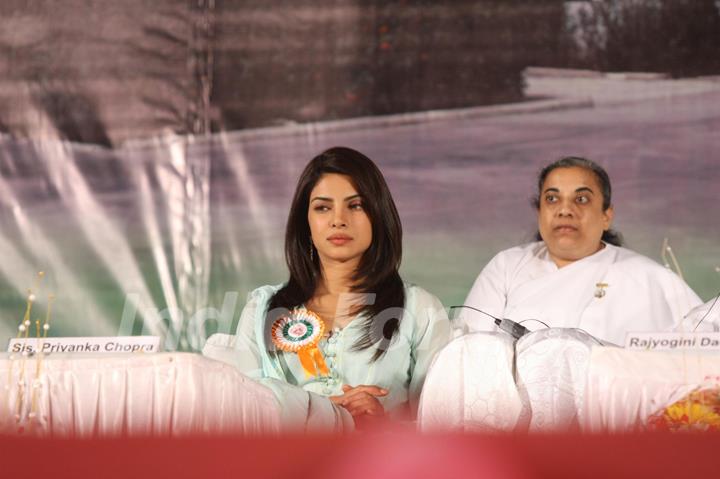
(377, 272)
(609, 236)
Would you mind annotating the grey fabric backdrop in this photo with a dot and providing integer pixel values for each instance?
(149, 151)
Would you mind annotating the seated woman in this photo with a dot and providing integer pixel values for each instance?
(344, 341)
(577, 275)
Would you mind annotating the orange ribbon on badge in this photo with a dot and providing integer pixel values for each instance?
(312, 361)
(300, 333)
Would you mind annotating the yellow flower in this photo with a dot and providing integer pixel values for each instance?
(692, 413)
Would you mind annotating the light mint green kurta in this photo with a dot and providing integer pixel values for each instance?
(424, 330)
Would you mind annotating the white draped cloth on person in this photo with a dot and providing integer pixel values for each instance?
(605, 294)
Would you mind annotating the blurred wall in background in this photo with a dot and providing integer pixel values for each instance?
(149, 150)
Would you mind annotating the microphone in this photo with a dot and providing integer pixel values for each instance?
(516, 330)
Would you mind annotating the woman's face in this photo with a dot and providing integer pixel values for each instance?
(340, 228)
(571, 219)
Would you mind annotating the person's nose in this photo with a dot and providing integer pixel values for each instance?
(339, 220)
(566, 208)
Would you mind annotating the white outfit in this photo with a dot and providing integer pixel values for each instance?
(607, 294)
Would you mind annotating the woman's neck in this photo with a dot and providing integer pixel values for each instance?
(337, 278)
(561, 261)
(334, 299)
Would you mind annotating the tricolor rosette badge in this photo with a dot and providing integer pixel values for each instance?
(300, 332)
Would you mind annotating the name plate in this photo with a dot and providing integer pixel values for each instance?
(115, 344)
(673, 341)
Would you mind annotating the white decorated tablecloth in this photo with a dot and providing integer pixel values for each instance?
(489, 382)
(556, 380)
(471, 387)
(551, 370)
(626, 387)
(154, 394)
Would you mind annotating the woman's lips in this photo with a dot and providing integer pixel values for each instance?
(339, 240)
(565, 229)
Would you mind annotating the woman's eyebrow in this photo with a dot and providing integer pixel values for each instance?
(352, 197)
(578, 190)
(320, 198)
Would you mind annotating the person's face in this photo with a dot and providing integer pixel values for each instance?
(571, 219)
(340, 228)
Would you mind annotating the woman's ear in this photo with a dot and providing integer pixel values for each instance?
(608, 216)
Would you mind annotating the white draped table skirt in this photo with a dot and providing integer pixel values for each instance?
(165, 394)
(556, 380)
(488, 382)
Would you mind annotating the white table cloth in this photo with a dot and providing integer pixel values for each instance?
(154, 394)
(470, 386)
(551, 371)
(488, 382)
(626, 387)
(556, 380)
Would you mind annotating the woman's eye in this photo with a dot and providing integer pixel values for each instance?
(321, 208)
(582, 199)
(551, 199)
(356, 206)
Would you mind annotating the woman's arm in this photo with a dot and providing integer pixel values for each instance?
(487, 294)
(432, 334)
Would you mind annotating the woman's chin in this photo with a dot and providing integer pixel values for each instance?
(340, 258)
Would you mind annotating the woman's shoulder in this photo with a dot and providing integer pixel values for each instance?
(634, 260)
(417, 297)
(510, 259)
(255, 309)
(417, 291)
(425, 312)
(635, 264)
(267, 289)
(264, 293)
(517, 253)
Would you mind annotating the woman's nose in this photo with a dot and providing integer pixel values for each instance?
(565, 208)
(338, 220)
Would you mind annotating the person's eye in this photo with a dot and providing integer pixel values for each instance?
(356, 206)
(321, 208)
(551, 199)
(582, 199)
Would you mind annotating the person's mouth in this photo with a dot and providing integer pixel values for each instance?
(339, 239)
(565, 228)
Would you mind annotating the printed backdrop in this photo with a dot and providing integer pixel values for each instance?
(148, 153)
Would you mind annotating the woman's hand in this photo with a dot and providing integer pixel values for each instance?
(362, 403)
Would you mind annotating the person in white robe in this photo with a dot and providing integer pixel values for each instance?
(576, 277)
(577, 287)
